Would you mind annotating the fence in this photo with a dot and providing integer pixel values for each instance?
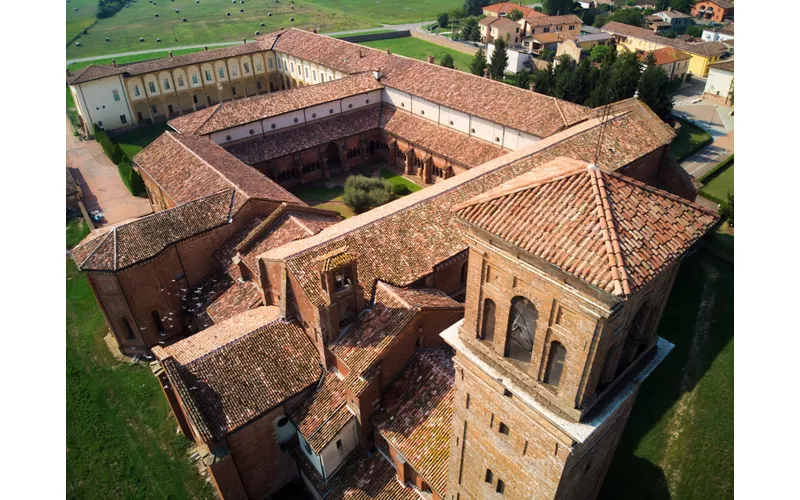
(376, 36)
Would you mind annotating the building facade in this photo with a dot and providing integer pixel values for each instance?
(713, 10)
(719, 86)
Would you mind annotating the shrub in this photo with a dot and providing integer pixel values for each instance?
(726, 210)
(112, 150)
(132, 180)
(365, 193)
(107, 8)
(400, 190)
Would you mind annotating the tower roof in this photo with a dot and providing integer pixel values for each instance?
(609, 230)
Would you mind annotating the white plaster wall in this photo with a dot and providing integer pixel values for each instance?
(483, 129)
(332, 457)
(360, 100)
(312, 457)
(460, 120)
(237, 133)
(514, 139)
(396, 98)
(323, 111)
(98, 98)
(719, 82)
(515, 58)
(424, 108)
(283, 121)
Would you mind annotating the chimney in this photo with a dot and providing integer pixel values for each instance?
(486, 72)
(314, 31)
(532, 87)
(430, 59)
(114, 61)
(377, 74)
(244, 41)
(360, 53)
(68, 73)
(205, 48)
(170, 53)
(388, 50)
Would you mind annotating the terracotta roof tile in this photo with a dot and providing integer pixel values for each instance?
(416, 418)
(188, 167)
(703, 49)
(666, 55)
(320, 417)
(553, 20)
(242, 380)
(508, 7)
(724, 65)
(594, 224)
(93, 72)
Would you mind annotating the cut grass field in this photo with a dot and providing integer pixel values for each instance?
(397, 179)
(207, 21)
(678, 443)
(131, 59)
(718, 185)
(690, 139)
(420, 49)
(370, 32)
(77, 229)
(135, 141)
(121, 440)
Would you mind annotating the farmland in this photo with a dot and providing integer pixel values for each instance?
(208, 22)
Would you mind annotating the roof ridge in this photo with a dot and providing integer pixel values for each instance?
(235, 186)
(660, 192)
(561, 112)
(217, 107)
(116, 248)
(616, 262)
(243, 336)
(102, 240)
(390, 290)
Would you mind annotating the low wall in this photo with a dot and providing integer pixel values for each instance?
(376, 36)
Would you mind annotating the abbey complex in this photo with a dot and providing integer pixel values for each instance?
(484, 337)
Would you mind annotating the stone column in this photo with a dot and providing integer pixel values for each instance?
(298, 167)
(409, 161)
(426, 170)
(343, 156)
(323, 164)
(393, 153)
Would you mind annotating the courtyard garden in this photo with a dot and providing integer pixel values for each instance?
(718, 183)
(208, 21)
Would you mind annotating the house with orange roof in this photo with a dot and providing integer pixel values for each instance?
(503, 9)
(673, 61)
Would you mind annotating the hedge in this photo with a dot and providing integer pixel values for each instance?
(113, 151)
(714, 172)
(132, 179)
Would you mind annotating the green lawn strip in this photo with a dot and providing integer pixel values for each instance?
(121, 439)
(132, 59)
(133, 142)
(394, 179)
(718, 182)
(77, 229)
(690, 139)
(420, 49)
(318, 192)
(371, 32)
(702, 433)
(70, 99)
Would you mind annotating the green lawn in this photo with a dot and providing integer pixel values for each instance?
(719, 184)
(207, 21)
(77, 229)
(121, 440)
(420, 49)
(678, 443)
(394, 178)
(131, 59)
(133, 142)
(371, 32)
(689, 139)
(82, 19)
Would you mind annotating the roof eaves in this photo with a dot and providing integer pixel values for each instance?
(610, 237)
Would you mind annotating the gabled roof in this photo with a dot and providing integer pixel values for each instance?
(508, 7)
(93, 72)
(609, 230)
(501, 23)
(666, 55)
(188, 167)
(241, 380)
(721, 3)
(320, 417)
(130, 242)
(417, 413)
(230, 114)
(554, 20)
(724, 65)
(705, 49)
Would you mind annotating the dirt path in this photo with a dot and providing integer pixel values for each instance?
(684, 410)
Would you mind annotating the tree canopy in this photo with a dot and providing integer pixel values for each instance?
(497, 68)
(447, 61)
(478, 64)
(515, 15)
(654, 88)
(555, 7)
(443, 19)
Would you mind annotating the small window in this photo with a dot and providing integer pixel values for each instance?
(166, 83)
(126, 327)
(322, 77)
(153, 108)
(251, 132)
(501, 486)
(136, 92)
(246, 67)
(507, 393)
(194, 99)
(227, 138)
(221, 72)
(195, 81)
(152, 87)
(306, 71)
(100, 124)
(123, 119)
(338, 444)
(208, 75)
(181, 83)
(115, 93)
(503, 429)
(233, 90)
(489, 478)
(314, 75)
(234, 70)
(342, 279)
(295, 120)
(555, 364)
(292, 67)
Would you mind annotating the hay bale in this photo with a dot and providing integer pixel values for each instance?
(262, 25)
(141, 39)
(77, 44)
(228, 14)
(269, 14)
(291, 19)
(258, 32)
(184, 19)
(108, 39)
(158, 40)
(241, 10)
(156, 14)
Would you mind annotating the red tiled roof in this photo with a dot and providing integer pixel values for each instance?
(140, 239)
(554, 20)
(239, 297)
(402, 241)
(188, 167)
(507, 105)
(188, 124)
(242, 380)
(666, 55)
(604, 228)
(250, 109)
(320, 417)
(508, 7)
(93, 72)
(705, 49)
(724, 65)
(417, 416)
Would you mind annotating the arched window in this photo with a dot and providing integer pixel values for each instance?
(126, 327)
(157, 321)
(521, 329)
(487, 329)
(555, 364)
(464, 271)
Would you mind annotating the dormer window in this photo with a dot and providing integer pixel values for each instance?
(342, 279)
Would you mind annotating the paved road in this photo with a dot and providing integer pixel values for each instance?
(99, 179)
(395, 27)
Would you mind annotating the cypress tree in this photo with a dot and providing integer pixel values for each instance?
(497, 68)
(478, 63)
(654, 88)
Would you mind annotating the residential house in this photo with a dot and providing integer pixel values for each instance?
(718, 35)
(536, 44)
(719, 86)
(673, 61)
(493, 28)
(633, 39)
(677, 22)
(582, 45)
(713, 10)
(551, 24)
(503, 9)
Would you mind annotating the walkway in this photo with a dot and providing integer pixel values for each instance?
(393, 27)
(100, 181)
(718, 121)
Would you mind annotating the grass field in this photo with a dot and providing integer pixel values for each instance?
(207, 21)
(420, 49)
(131, 59)
(678, 443)
(690, 139)
(395, 179)
(370, 32)
(121, 440)
(719, 185)
(77, 229)
(135, 141)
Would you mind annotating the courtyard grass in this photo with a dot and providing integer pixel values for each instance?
(121, 439)
(678, 443)
(395, 179)
(717, 186)
(420, 49)
(136, 140)
(690, 139)
(207, 21)
(77, 229)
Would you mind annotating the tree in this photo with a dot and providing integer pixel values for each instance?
(468, 26)
(443, 19)
(365, 193)
(554, 7)
(523, 79)
(475, 36)
(694, 31)
(624, 76)
(654, 88)
(562, 78)
(634, 17)
(478, 64)
(447, 61)
(515, 15)
(475, 7)
(543, 80)
(684, 6)
(497, 68)
(599, 53)
(548, 55)
(726, 210)
(538, 8)
(458, 13)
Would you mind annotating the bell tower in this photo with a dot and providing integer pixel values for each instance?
(559, 326)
